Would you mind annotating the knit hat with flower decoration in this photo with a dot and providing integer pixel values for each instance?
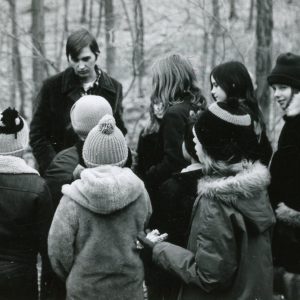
(14, 133)
(105, 145)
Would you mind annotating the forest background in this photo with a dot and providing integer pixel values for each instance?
(133, 33)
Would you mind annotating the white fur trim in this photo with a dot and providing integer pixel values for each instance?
(249, 180)
(15, 165)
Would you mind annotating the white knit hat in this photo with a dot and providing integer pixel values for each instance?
(86, 113)
(105, 145)
(14, 133)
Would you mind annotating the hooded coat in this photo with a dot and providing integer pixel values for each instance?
(229, 242)
(92, 240)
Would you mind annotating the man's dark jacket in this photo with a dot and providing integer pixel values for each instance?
(50, 129)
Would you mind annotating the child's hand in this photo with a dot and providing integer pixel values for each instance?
(152, 238)
(155, 237)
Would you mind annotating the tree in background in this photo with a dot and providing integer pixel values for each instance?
(38, 34)
(17, 70)
(264, 28)
(110, 37)
(138, 48)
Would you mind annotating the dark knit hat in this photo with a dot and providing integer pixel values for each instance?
(14, 133)
(226, 133)
(286, 70)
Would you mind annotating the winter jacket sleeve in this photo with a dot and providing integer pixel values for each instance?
(285, 174)
(214, 263)
(60, 172)
(173, 126)
(61, 237)
(39, 131)
(44, 214)
(288, 215)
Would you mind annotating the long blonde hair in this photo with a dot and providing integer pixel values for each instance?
(173, 81)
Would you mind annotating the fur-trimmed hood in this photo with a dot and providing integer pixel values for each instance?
(105, 189)
(246, 191)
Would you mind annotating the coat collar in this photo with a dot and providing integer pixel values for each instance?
(71, 83)
(249, 180)
(105, 189)
(15, 165)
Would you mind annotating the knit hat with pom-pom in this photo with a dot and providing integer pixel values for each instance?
(14, 133)
(105, 145)
(86, 113)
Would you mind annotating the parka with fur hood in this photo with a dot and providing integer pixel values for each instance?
(229, 249)
(92, 240)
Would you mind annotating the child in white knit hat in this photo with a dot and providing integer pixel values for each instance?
(25, 214)
(92, 240)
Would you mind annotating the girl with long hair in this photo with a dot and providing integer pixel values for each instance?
(232, 80)
(175, 95)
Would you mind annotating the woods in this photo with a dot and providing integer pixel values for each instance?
(133, 33)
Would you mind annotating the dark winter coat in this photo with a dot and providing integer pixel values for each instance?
(168, 151)
(51, 130)
(285, 187)
(92, 240)
(25, 217)
(61, 170)
(146, 153)
(175, 199)
(62, 167)
(229, 249)
(172, 215)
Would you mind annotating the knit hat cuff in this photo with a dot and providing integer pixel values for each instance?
(118, 164)
(283, 79)
(241, 120)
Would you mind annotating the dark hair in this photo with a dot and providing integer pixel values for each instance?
(189, 138)
(79, 40)
(234, 78)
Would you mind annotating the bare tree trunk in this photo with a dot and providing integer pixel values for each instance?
(38, 34)
(215, 31)
(12, 83)
(139, 44)
(232, 14)
(264, 27)
(16, 58)
(91, 14)
(110, 37)
(250, 19)
(99, 18)
(83, 12)
(65, 33)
